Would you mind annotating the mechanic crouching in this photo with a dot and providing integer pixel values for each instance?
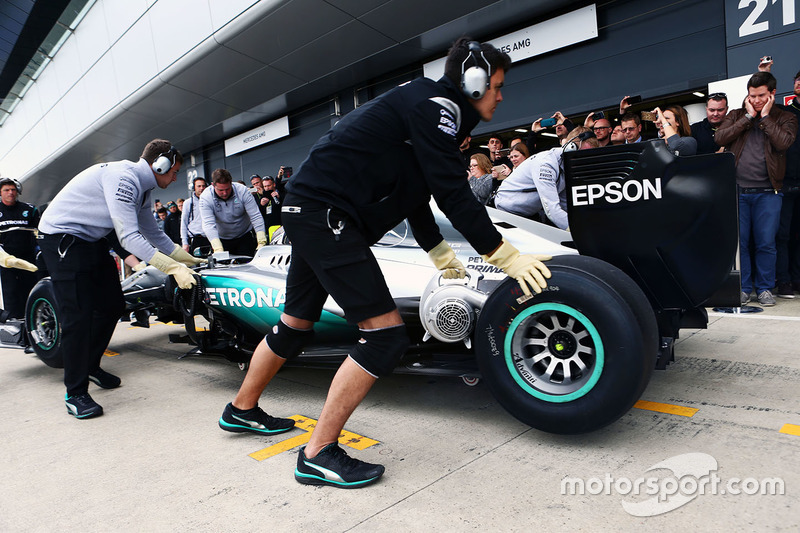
(109, 196)
(345, 196)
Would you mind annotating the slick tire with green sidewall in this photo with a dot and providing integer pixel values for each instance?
(43, 325)
(575, 357)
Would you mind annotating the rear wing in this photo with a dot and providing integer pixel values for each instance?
(669, 222)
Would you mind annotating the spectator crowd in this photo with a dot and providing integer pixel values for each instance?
(524, 177)
(528, 180)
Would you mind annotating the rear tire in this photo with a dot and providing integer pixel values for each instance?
(43, 325)
(575, 357)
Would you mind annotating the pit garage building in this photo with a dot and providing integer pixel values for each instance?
(251, 85)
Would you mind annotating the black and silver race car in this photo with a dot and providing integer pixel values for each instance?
(652, 244)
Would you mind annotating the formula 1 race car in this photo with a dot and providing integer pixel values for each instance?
(652, 244)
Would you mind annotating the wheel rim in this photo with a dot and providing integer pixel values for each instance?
(44, 324)
(554, 352)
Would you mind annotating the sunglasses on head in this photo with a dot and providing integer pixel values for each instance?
(717, 96)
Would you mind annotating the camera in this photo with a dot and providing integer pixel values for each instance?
(548, 122)
(766, 59)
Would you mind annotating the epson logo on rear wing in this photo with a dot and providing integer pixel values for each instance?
(616, 191)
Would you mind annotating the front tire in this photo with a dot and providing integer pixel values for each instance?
(43, 324)
(575, 357)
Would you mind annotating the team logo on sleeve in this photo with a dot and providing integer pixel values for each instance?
(126, 192)
(449, 115)
(446, 123)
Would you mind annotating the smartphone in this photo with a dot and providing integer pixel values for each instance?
(648, 116)
(598, 115)
(499, 169)
(634, 99)
(548, 122)
(287, 172)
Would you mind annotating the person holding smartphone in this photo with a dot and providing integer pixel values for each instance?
(673, 127)
(601, 126)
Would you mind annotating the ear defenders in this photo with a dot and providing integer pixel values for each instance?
(164, 161)
(574, 144)
(475, 80)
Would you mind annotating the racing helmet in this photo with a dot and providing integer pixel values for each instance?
(12, 181)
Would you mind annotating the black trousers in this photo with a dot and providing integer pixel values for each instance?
(90, 302)
(786, 241)
(15, 285)
(244, 244)
(198, 241)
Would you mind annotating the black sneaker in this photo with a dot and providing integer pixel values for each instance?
(105, 380)
(82, 406)
(785, 290)
(332, 466)
(253, 421)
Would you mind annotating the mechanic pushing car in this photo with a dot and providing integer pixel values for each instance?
(109, 196)
(348, 192)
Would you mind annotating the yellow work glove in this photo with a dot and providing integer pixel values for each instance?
(261, 239)
(182, 256)
(139, 266)
(9, 261)
(216, 245)
(183, 275)
(444, 258)
(526, 269)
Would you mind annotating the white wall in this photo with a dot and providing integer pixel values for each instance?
(118, 48)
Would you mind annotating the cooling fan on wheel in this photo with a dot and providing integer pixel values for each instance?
(448, 308)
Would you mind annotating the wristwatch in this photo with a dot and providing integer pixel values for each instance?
(748, 116)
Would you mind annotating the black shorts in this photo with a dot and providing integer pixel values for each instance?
(322, 265)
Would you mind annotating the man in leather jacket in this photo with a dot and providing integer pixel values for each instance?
(758, 135)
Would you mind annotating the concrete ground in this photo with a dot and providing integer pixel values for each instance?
(456, 461)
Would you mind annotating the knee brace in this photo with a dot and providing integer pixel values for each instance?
(286, 341)
(379, 350)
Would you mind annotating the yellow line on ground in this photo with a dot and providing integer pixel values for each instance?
(283, 446)
(110, 353)
(791, 429)
(666, 408)
(347, 438)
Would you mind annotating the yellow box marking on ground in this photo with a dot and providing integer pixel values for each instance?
(791, 429)
(346, 438)
(666, 408)
(110, 353)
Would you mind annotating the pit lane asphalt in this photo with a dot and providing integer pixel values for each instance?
(156, 461)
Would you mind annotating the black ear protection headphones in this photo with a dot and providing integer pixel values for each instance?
(574, 144)
(475, 80)
(164, 161)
